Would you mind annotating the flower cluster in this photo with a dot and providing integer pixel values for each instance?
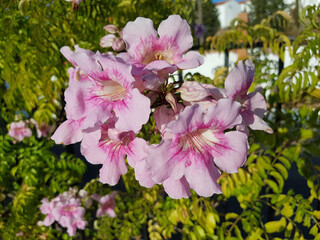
(110, 97)
(66, 209)
(20, 130)
(111, 40)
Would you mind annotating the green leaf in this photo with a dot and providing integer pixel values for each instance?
(199, 232)
(276, 226)
(279, 179)
(231, 216)
(287, 211)
(306, 133)
(282, 170)
(273, 185)
(316, 214)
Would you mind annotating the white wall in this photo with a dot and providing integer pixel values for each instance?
(227, 12)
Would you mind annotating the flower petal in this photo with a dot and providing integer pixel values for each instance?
(142, 174)
(90, 147)
(136, 151)
(137, 31)
(191, 60)
(192, 91)
(188, 120)
(223, 115)
(177, 29)
(239, 80)
(165, 161)
(231, 153)
(112, 169)
(68, 132)
(177, 189)
(134, 113)
(202, 177)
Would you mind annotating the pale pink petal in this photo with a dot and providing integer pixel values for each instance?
(231, 151)
(118, 44)
(152, 81)
(159, 65)
(107, 41)
(134, 113)
(111, 28)
(81, 224)
(68, 53)
(100, 212)
(71, 230)
(192, 91)
(202, 177)
(90, 147)
(115, 68)
(136, 151)
(137, 31)
(239, 80)
(96, 117)
(142, 175)
(177, 189)
(177, 29)
(224, 115)
(113, 168)
(87, 64)
(191, 60)
(260, 124)
(256, 103)
(166, 161)
(68, 132)
(75, 96)
(188, 120)
(48, 220)
(162, 116)
(111, 213)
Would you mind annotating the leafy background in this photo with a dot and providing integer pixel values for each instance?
(275, 195)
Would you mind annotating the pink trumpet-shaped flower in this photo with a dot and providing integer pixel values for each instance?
(253, 104)
(109, 146)
(198, 143)
(69, 214)
(107, 205)
(148, 52)
(66, 210)
(19, 130)
(109, 89)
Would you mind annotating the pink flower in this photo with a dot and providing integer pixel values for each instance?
(47, 208)
(66, 210)
(19, 130)
(69, 214)
(107, 205)
(109, 146)
(43, 130)
(162, 54)
(111, 40)
(109, 88)
(198, 143)
(253, 104)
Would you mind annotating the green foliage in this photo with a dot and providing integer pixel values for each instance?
(28, 174)
(32, 32)
(260, 9)
(265, 203)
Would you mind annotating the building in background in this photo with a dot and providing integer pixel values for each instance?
(230, 9)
